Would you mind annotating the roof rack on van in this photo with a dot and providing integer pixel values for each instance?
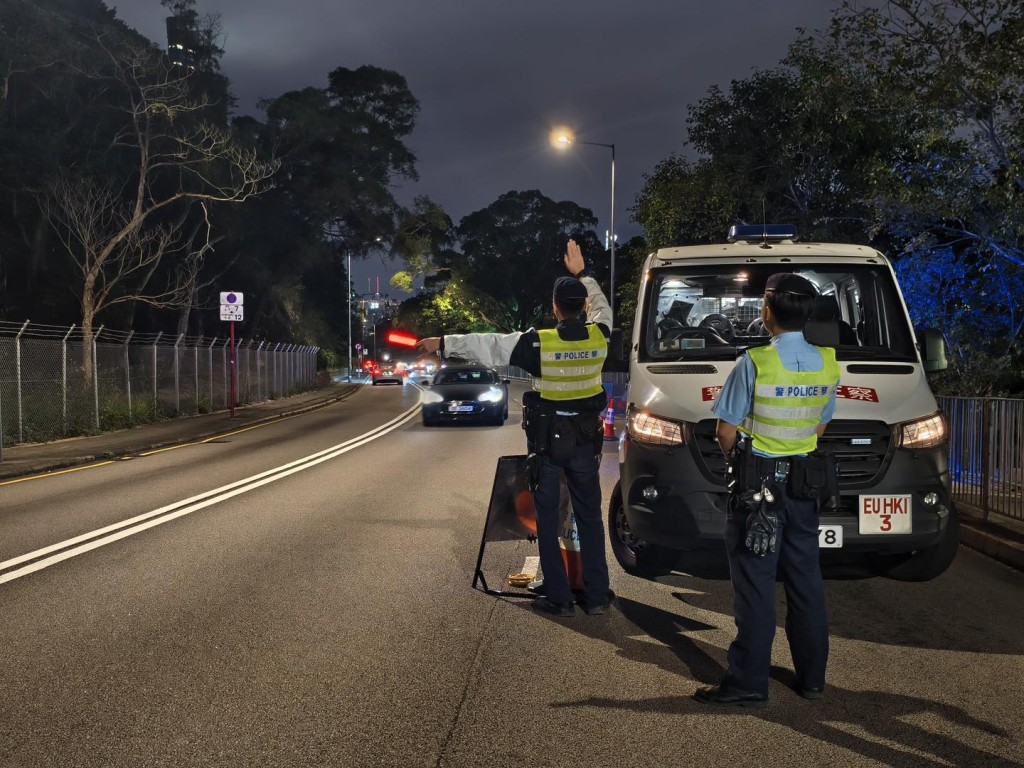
(762, 232)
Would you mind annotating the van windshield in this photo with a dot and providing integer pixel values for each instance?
(712, 313)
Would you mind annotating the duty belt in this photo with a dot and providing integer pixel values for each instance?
(777, 467)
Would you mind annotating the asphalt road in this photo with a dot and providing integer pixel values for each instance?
(299, 594)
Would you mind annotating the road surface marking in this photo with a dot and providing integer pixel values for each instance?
(53, 474)
(86, 542)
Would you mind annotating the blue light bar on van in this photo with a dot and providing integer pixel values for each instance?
(761, 232)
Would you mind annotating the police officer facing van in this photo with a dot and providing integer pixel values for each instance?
(563, 424)
(772, 410)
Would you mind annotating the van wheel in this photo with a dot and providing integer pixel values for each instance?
(925, 564)
(636, 556)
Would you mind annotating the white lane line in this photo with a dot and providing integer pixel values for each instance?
(187, 506)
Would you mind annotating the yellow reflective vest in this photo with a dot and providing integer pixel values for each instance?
(570, 370)
(788, 405)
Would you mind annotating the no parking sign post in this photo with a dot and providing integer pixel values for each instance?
(231, 309)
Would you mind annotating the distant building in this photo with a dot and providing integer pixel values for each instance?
(181, 35)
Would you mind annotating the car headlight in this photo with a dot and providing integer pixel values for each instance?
(649, 429)
(430, 397)
(492, 395)
(928, 432)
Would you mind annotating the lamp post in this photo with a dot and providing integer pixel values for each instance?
(562, 139)
(348, 279)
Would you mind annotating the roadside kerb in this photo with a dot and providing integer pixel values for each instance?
(1000, 539)
(134, 440)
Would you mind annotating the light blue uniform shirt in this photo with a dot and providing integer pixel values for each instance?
(737, 396)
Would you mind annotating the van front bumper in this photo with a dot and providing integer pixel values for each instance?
(668, 501)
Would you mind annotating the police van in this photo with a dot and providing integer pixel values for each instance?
(699, 308)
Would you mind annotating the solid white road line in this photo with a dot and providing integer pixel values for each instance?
(95, 539)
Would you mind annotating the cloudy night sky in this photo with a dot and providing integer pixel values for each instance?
(493, 79)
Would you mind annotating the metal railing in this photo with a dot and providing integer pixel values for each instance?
(54, 384)
(986, 453)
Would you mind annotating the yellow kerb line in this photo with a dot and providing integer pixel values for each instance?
(52, 474)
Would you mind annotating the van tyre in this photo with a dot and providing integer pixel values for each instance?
(636, 556)
(924, 564)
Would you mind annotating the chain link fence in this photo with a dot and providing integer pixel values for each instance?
(55, 384)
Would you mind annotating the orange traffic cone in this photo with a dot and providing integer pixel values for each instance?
(609, 421)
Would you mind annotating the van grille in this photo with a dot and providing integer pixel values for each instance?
(677, 369)
(861, 447)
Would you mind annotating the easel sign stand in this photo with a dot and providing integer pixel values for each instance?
(511, 516)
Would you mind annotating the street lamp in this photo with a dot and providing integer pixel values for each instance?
(562, 139)
(348, 279)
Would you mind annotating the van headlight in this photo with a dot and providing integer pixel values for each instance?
(492, 395)
(648, 429)
(928, 432)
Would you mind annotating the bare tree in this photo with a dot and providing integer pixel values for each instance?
(118, 231)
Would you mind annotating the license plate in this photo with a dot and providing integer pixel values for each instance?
(885, 514)
(830, 536)
(460, 408)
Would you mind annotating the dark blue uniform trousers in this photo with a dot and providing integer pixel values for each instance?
(581, 474)
(795, 560)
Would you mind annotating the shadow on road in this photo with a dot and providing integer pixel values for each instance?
(873, 724)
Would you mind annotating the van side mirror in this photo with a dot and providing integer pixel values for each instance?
(616, 361)
(932, 344)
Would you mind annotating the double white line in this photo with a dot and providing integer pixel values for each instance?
(64, 550)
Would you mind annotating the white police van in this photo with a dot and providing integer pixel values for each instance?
(699, 307)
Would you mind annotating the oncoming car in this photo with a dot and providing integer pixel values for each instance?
(386, 372)
(466, 393)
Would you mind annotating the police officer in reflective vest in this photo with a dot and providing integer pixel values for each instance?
(564, 429)
(772, 410)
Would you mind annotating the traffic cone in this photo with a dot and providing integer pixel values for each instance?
(609, 421)
(569, 542)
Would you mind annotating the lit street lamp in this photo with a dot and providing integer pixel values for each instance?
(562, 139)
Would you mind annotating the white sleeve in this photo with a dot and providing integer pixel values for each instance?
(485, 348)
(598, 309)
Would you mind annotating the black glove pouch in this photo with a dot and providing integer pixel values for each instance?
(563, 438)
(809, 476)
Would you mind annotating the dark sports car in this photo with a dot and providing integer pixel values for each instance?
(473, 393)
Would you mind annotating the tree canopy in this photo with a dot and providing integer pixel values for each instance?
(901, 126)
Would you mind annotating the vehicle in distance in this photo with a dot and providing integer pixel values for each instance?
(466, 393)
(385, 372)
(421, 370)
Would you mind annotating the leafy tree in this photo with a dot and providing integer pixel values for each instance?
(685, 202)
(49, 114)
(802, 143)
(511, 252)
(118, 230)
(454, 309)
(342, 149)
(956, 199)
(633, 254)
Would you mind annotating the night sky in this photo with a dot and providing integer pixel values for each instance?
(493, 78)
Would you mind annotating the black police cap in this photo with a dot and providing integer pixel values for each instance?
(787, 282)
(569, 291)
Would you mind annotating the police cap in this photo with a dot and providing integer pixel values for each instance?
(570, 292)
(787, 282)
